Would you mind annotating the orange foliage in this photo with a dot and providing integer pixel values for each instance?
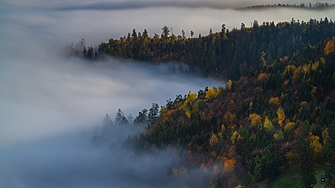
(263, 76)
(289, 155)
(229, 118)
(229, 164)
(274, 101)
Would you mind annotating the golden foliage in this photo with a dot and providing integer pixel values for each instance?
(234, 136)
(255, 119)
(315, 66)
(214, 139)
(325, 135)
(223, 128)
(289, 68)
(192, 96)
(303, 104)
(212, 93)
(229, 164)
(285, 83)
(188, 114)
(315, 144)
(329, 48)
(289, 126)
(281, 116)
(268, 124)
(313, 92)
(229, 84)
(274, 101)
(250, 104)
(263, 76)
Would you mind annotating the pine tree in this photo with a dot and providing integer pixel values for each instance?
(249, 181)
(218, 183)
(304, 155)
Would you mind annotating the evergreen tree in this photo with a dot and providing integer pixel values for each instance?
(119, 117)
(249, 181)
(304, 155)
(153, 112)
(218, 183)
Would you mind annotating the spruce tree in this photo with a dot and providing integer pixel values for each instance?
(305, 157)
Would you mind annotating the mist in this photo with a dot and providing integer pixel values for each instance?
(51, 104)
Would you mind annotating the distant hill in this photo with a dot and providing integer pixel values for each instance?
(310, 6)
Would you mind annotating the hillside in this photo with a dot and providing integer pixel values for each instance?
(275, 113)
(258, 123)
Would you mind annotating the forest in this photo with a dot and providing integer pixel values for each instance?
(275, 113)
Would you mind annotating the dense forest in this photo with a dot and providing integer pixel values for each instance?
(276, 111)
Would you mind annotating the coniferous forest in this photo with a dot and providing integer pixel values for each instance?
(276, 111)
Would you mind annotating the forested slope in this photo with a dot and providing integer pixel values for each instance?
(258, 124)
(226, 53)
(276, 111)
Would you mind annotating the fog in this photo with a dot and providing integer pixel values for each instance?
(50, 104)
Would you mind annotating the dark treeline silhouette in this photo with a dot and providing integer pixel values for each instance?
(226, 53)
(309, 6)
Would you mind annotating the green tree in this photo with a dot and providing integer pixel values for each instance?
(304, 155)
(166, 32)
(153, 112)
(219, 183)
(249, 181)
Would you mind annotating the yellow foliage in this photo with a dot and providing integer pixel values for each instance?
(325, 136)
(234, 136)
(192, 96)
(329, 48)
(289, 68)
(276, 136)
(315, 144)
(315, 66)
(281, 115)
(263, 76)
(229, 84)
(214, 139)
(303, 104)
(223, 128)
(188, 114)
(274, 101)
(289, 126)
(255, 119)
(297, 73)
(212, 93)
(313, 92)
(250, 104)
(268, 124)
